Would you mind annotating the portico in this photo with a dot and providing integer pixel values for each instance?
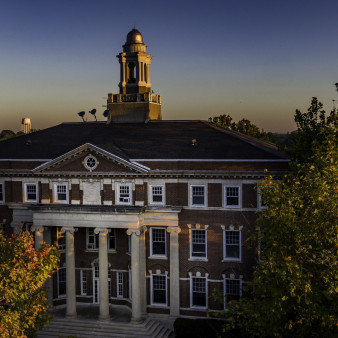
(135, 221)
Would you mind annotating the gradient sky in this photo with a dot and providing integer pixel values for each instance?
(258, 59)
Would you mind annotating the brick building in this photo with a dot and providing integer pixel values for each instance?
(147, 213)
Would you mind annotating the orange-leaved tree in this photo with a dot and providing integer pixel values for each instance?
(23, 271)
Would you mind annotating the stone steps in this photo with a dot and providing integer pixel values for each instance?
(79, 328)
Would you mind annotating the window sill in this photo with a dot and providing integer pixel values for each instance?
(198, 307)
(157, 257)
(227, 260)
(162, 306)
(198, 259)
(97, 250)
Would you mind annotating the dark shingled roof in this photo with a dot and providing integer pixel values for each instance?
(152, 140)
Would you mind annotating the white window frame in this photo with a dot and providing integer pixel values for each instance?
(84, 282)
(65, 281)
(260, 206)
(26, 199)
(56, 193)
(119, 284)
(224, 288)
(191, 293)
(152, 289)
(151, 193)
(151, 242)
(2, 192)
(225, 257)
(204, 196)
(111, 233)
(118, 193)
(231, 206)
(198, 258)
(96, 245)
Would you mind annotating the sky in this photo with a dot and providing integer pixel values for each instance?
(254, 59)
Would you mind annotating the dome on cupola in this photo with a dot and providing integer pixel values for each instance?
(134, 36)
(134, 42)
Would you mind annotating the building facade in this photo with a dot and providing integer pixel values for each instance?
(147, 213)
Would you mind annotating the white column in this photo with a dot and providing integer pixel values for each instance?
(38, 232)
(148, 75)
(174, 272)
(70, 272)
(47, 234)
(103, 274)
(136, 315)
(143, 283)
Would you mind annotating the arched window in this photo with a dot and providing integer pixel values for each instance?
(131, 73)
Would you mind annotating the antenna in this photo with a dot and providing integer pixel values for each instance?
(106, 113)
(82, 113)
(93, 112)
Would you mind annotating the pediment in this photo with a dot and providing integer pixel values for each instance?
(89, 158)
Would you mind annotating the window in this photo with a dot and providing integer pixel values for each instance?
(198, 297)
(61, 193)
(90, 162)
(198, 195)
(261, 202)
(119, 284)
(198, 247)
(83, 275)
(62, 282)
(232, 197)
(1, 192)
(158, 242)
(232, 289)
(159, 289)
(31, 194)
(93, 239)
(157, 194)
(112, 240)
(61, 239)
(232, 245)
(124, 194)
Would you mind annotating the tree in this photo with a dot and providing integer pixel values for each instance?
(243, 126)
(313, 128)
(23, 271)
(6, 134)
(294, 290)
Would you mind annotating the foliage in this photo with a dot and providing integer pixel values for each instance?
(313, 128)
(294, 290)
(6, 134)
(243, 126)
(23, 271)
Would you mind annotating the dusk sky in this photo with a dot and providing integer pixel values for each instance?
(258, 59)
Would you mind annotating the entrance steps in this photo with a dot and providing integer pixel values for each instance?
(80, 328)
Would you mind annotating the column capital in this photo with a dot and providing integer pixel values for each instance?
(174, 230)
(37, 228)
(69, 229)
(101, 230)
(136, 232)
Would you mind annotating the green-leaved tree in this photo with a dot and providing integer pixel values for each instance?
(23, 271)
(294, 289)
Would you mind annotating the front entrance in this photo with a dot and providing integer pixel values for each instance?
(96, 285)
